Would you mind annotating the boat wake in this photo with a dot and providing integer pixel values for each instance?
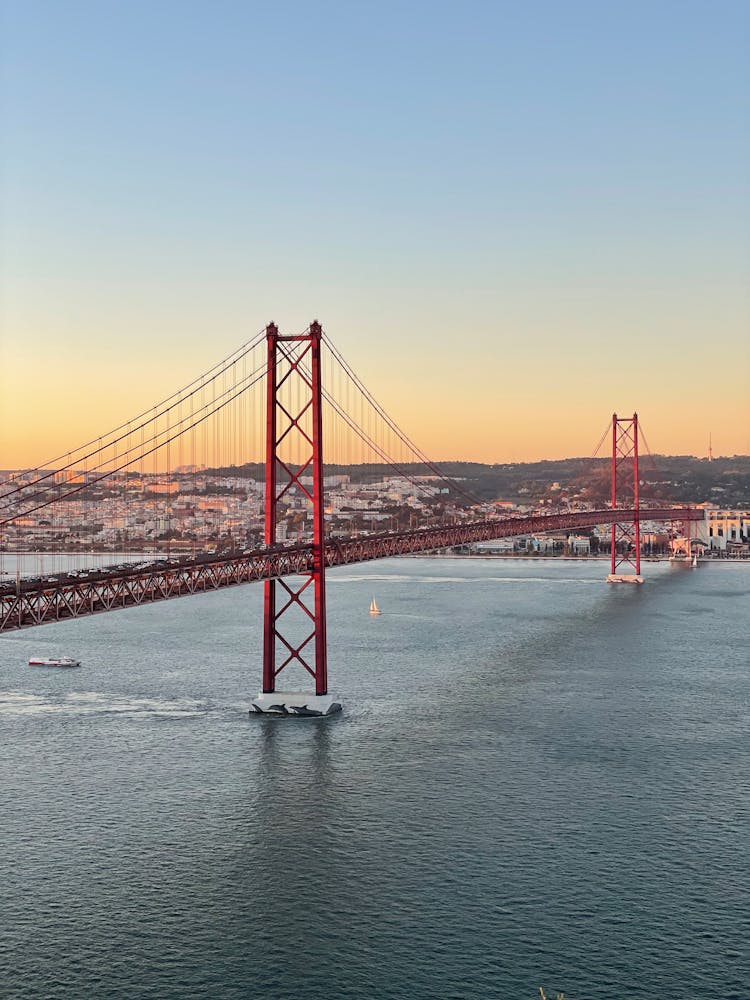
(96, 703)
(467, 581)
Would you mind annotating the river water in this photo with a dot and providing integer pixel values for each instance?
(538, 779)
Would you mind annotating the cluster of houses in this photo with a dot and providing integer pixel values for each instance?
(192, 509)
(722, 533)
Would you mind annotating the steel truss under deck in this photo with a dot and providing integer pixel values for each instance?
(127, 590)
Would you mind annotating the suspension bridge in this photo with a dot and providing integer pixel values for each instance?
(269, 407)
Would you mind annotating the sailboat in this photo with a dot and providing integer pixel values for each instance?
(695, 562)
(374, 609)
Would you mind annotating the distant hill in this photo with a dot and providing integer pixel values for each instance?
(684, 478)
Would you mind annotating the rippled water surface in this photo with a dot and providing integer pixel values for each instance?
(537, 780)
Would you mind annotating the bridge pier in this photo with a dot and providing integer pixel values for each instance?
(295, 703)
(294, 456)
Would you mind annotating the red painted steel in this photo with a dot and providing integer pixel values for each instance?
(626, 535)
(319, 528)
(27, 605)
(301, 419)
(269, 537)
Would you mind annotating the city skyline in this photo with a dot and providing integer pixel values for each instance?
(510, 222)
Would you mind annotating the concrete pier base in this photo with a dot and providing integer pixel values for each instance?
(295, 703)
(624, 578)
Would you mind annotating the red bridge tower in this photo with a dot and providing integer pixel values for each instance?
(626, 535)
(294, 622)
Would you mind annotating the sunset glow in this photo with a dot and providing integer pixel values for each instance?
(510, 224)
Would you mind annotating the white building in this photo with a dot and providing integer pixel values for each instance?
(727, 528)
(579, 545)
(500, 546)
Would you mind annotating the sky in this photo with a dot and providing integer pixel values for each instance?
(512, 218)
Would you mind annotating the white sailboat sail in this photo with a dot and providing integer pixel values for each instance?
(374, 609)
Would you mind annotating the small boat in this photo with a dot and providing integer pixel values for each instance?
(374, 609)
(695, 562)
(54, 661)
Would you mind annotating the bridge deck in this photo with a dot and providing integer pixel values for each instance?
(108, 590)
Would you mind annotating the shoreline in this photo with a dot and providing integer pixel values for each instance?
(537, 558)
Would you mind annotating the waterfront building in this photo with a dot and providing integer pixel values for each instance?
(579, 545)
(728, 529)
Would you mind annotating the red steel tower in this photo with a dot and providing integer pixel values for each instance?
(626, 535)
(294, 625)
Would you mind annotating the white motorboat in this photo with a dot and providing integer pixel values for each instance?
(54, 661)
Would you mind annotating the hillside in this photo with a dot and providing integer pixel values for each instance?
(684, 478)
